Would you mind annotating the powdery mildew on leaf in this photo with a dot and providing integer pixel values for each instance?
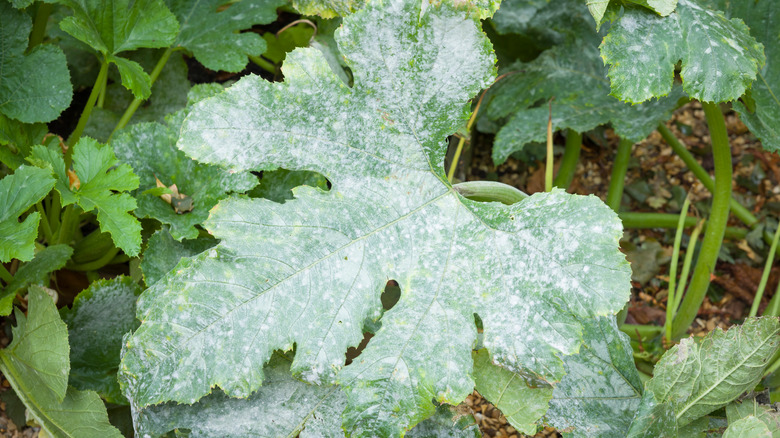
(309, 272)
(719, 57)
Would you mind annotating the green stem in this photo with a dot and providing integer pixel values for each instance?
(666, 220)
(455, 159)
(262, 63)
(673, 268)
(95, 264)
(487, 191)
(96, 89)
(775, 361)
(686, 267)
(102, 96)
(716, 225)
(39, 26)
(131, 109)
(641, 332)
(618, 178)
(765, 276)
(5, 275)
(548, 170)
(54, 212)
(70, 220)
(773, 309)
(742, 213)
(571, 155)
(45, 223)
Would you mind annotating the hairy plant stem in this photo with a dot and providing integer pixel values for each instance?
(45, 223)
(641, 332)
(462, 140)
(54, 211)
(5, 275)
(666, 220)
(742, 213)
(673, 268)
(96, 90)
(39, 25)
(618, 178)
(686, 267)
(262, 63)
(487, 191)
(70, 221)
(770, 258)
(571, 155)
(131, 109)
(773, 309)
(548, 170)
(104, 260)
(716, 224)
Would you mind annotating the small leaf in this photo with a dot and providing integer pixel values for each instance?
(103, 187)
(719, 57)
(100, 316)
(163, 253)
(35, 271)
(34, 87)
(21, 136)
(328, 8)
(747, 427)
(36, 364)
(213, 34)
(698, 378)
(134, 78)
(18, 192)
(750, 407)
(521, 404)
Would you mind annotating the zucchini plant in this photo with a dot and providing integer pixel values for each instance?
(259, 223)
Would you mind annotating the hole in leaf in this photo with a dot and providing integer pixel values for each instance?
(277, 185)
(391, 295)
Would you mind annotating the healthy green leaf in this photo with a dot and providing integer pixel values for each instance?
(18, 192)
(163, 253)
(19, 137)
(573, 73)
(767, 415)
(278, 45)
(34, 87)
(601, 390)
(100, 316)
(522, 405)
(150, 148)
(719, 56)
(213, 35)
(115, 26)
(277, 185)
(310, 271)
(36, 365)
(747, 427)
(102, 187)
(760, 107)
(698, 378)
(35, 271)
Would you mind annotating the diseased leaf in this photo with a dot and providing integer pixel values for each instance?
(18, 192)
(27, 97)
(446, 423)
(278, 185)
(163, 253)
(598, 8)
(19, 137)
(759, 109)
(653, 419)
(698, 378)
(103, 186)
(601, 390)
(150, 148)
(768, 415)
(36, 364)
(719, 56)
(212, 33)
(522, 405)
(328, 8)
(100, 316)
(35, 271)
(573, 73)
(747, 427)
(115, 26)
(310, 271)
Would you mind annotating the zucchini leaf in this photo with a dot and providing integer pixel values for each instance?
(36, 364)
(18, 192)
(163, 253)
(36, 271)
(750, 407)
(747, 427)
(310, 271)
(102, 186)
(598, 8)
(100, 316)
(719, 57)
(35, 86)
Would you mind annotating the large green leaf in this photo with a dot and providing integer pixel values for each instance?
(100, 316)
(36, 365)
(719, 57)
(698, 378)
(34, 87)
(114, 26)
(767, 415)
(310, 271)
(522, 404)
(573, 73)
(760, 108)
(601, 390)
(18, 192)
(163, 253)
(103, 184)
(213, 35)
(36, 271)
(150, 148)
